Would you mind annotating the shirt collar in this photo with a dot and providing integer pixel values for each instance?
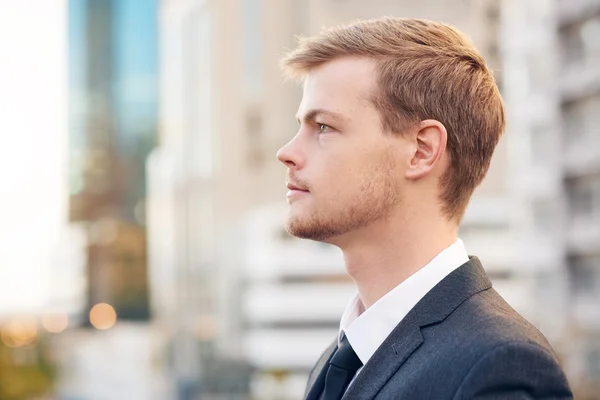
(367, 329)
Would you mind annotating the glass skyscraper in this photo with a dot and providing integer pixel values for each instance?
(113, 123)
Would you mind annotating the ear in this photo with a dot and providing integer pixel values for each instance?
(431, 139)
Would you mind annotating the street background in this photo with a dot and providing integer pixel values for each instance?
(142, 251)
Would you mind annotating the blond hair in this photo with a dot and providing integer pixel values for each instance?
(426, 70)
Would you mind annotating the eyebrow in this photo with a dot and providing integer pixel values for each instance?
(312, 114)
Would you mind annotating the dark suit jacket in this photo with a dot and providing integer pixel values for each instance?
(461, 341)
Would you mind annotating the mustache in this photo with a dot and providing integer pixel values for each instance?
(298, 182)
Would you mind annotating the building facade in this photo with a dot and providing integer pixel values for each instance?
(551, 54)
(112, 127)
(578, 42)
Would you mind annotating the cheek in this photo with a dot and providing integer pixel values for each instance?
(342, 176)
(343, 171)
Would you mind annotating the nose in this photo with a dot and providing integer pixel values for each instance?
(291, 155)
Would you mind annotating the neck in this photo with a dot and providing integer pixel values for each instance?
(382, 255)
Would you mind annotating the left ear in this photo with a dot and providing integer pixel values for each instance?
(431, 140)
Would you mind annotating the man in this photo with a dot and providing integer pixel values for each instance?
(398, 123)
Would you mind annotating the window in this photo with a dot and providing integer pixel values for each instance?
(593, 359)
(580, 44)
(574, 120)
(493, 12)
(582, 119)
(256, 151)
(572, 51)
(253, 123)
(585, 275)
(581, 196)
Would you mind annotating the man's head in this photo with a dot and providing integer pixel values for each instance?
(396, 114)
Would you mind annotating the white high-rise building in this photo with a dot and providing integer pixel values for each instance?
(551, 53)
(578, 34)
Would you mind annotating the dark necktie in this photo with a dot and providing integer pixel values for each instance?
(340, 371)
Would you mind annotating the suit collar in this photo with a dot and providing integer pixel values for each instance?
(367, 329)
(457, 287)
(440, 302)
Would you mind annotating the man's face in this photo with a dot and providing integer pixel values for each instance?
(347, 169)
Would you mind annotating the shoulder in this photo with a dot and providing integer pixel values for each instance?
(520, 369)
(499, 350)
(482, 349)
(483, 323)
(486, 321)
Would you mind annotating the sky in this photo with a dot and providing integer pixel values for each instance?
(134, 66)
(33, 133)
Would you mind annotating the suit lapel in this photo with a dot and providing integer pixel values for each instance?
(405, 339)
(388, 358)
(316, 378)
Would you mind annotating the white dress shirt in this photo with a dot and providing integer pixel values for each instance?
(367, 329)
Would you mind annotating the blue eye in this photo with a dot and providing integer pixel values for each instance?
(324, 128)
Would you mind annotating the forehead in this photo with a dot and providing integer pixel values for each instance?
(343, 85)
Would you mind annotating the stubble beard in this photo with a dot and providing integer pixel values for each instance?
(374, 200)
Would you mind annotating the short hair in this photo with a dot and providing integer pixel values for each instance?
(426, 70)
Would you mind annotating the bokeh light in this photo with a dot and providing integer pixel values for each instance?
(103, 316)
(19, 332)
(55, 322)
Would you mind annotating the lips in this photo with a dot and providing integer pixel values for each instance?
(291, 186)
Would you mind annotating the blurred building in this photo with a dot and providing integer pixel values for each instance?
(196, 194)
(578, 33)
(120, 364)
(112, 63)
(552, 88)
(535, 181)
(112, 122)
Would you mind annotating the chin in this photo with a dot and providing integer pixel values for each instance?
(295, 223)
(303, 233)
(304, 227)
